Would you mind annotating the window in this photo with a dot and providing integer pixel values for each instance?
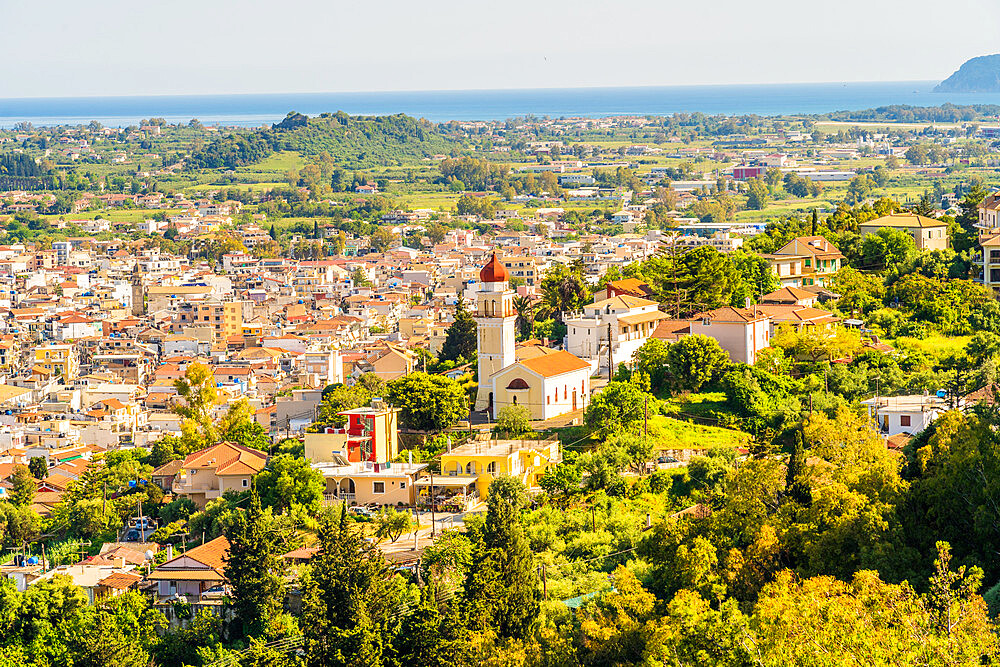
(402, 484)
(492, 468)
(246, 483)
(378, 487)
(904, 420)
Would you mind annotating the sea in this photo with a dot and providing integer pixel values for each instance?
(470, 105)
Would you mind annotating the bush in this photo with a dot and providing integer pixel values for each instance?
(513, 420)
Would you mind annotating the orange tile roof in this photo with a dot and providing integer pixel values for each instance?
(227, 458)
(550, 365)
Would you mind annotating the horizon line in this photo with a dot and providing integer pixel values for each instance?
(463, 90)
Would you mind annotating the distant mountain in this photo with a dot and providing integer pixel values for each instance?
(978, 75)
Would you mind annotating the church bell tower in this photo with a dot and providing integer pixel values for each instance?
(495, 318)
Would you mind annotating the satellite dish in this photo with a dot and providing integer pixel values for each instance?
(149, 554)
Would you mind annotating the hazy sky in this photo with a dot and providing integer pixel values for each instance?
(114, 47)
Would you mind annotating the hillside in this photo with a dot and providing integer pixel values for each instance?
(355, 142)
(977, 75)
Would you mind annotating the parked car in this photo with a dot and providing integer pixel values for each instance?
(215, 592)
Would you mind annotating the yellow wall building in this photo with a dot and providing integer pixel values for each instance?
(483, 460)
(60, 359)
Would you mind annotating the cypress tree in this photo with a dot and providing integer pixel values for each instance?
(254, 570)
(460, 340)
(795, 484)
(502, 589)
(348, 600)
(815, 222)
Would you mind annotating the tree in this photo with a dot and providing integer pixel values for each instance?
(239, 425)
(757, 195)
(197, 388)
(428, 402)
(380, 239)
(348, 599)
(651, 359)
(561, 481)
(887, 248)
(514, 420)
(563, 290)
(340, 397)
(290, 482)
(460, 339)
(254, 570)
(696, 361)
(391, 524)
(22, 486)
(620, 406)
(38, 467)
(502, 591)
(525, 310)
(705, 277)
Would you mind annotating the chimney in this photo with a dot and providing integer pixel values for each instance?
(170, 551)
(120, 563)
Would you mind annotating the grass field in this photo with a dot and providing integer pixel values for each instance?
(937, 345)
(673, 433)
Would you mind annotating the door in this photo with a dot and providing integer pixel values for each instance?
(574, 399)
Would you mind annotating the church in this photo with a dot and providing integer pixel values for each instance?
(548, 382)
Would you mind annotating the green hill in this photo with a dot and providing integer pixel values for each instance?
(978, 75)
(355, 142)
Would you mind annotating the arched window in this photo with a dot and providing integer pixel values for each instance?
(470, 468)
(565, 391)
(492, 468)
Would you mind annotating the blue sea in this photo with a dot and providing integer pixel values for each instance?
(442, 106)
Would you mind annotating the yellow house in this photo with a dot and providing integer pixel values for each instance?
(60, 359)
(468, 469)
(927, 233)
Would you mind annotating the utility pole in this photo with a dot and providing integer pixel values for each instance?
(611, 359)
(433, 522)
(645, 416)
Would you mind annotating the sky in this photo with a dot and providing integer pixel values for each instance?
(68, 48)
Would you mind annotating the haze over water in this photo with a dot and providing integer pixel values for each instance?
(442, 106)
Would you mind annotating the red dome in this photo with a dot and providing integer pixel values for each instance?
(494, 271)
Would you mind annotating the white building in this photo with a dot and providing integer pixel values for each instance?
(904, 414)
(630, 320)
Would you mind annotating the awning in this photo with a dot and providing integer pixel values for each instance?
(186, 575)
(447, 480)
(642, 317)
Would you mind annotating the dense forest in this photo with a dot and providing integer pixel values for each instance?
(355, 142)
(905, 113)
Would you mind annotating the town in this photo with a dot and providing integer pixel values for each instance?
(580, 391)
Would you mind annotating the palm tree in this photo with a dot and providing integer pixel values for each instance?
(525, 310)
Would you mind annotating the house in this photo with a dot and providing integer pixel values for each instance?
(366, 483)
(207, 474)
(927, 233)
(989, 256)
(387, 362)
(989, 213)
(820, 258)
(194, 571)
(790, 296)
(741, 332)
(369, 434)
(469, 468)
(629, 320)
(904, 414)
(163, 476)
